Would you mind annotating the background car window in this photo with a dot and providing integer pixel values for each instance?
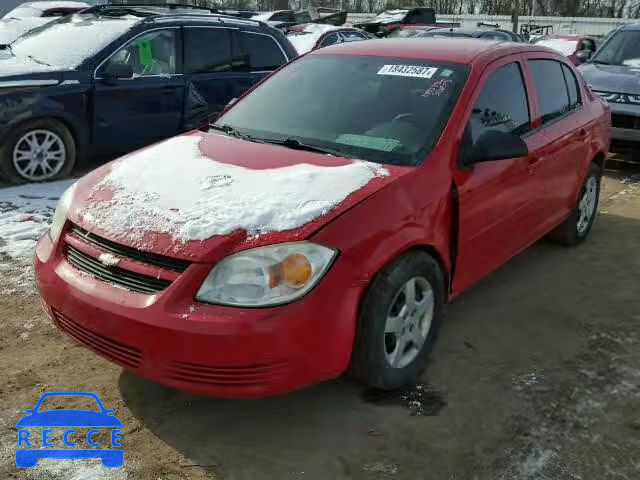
(588, 44)
(572, 87)
(352, 36)
(553, 98)
(502, 105)
(264, 52)
(495, 36)
(330, 40)
(207, 50)
(153, 53)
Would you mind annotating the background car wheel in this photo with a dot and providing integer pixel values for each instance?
(398, 322)
(577, 226)
(36, 151)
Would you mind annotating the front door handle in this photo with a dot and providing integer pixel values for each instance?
(534, 164)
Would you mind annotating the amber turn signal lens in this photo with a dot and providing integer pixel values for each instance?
(294, 271)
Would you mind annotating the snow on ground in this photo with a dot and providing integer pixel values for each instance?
(25, 214)
(172, 188)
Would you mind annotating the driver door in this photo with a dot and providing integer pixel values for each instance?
(147, 106)
(495, 198)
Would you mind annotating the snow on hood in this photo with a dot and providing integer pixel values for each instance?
(304, 41)
(173, 188)
(12, 28)
(10, 65)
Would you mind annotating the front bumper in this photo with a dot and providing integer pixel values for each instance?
(625, 123)
(208, 349)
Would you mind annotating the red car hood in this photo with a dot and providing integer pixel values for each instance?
(94, 190)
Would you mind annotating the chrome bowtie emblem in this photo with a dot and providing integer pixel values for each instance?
(108, 260)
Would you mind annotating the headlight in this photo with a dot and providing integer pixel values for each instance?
(61, 212)
(266, 276)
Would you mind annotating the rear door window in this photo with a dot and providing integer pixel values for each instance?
(572, 87)
(502, 105)
(553, 97)
(207, 50)
(264, 52)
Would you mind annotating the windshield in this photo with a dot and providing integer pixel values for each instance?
(562, 45)
(385, 110)
(67, 42)
(623, 48)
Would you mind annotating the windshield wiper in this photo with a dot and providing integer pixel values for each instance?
(298, 145)
(31, 57)
(232, 132)
(602, 62)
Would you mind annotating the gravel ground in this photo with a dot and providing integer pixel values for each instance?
(536, 376)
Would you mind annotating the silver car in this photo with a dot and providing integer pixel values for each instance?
(614, 73)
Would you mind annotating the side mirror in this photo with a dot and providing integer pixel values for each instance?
(496, 145)
(584, 55)
(118, 71)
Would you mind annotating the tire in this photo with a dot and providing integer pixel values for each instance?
(16, 159)
(577, 226)
(378, 342)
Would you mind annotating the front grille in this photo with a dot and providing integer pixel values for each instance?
(160, 261)
(246, 375)
(621, 120)
(115, 275)
(116, 351)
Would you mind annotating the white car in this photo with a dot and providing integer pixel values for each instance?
(30, 15)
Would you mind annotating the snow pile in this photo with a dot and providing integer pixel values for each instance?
(562, 45)
(172, 188)
(25, 214)
(87, 37)
(305, 41)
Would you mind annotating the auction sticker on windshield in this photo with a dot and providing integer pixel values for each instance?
(408, 71)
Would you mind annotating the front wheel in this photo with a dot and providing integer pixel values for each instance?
(578, 225)
(36, 151)
(398, 322)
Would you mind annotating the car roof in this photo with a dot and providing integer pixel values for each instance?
(171, 12)
(456, 50)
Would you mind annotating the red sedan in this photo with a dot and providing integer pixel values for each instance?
(322, 223)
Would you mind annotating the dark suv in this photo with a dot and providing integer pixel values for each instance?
(112, 79)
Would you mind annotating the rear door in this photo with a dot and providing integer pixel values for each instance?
(494, 198)
(209, 70)
(133, 112)
(561, 141)
(221, 64)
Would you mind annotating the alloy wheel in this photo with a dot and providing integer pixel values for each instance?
(587, 204)
(39, 155)
(408, 322)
